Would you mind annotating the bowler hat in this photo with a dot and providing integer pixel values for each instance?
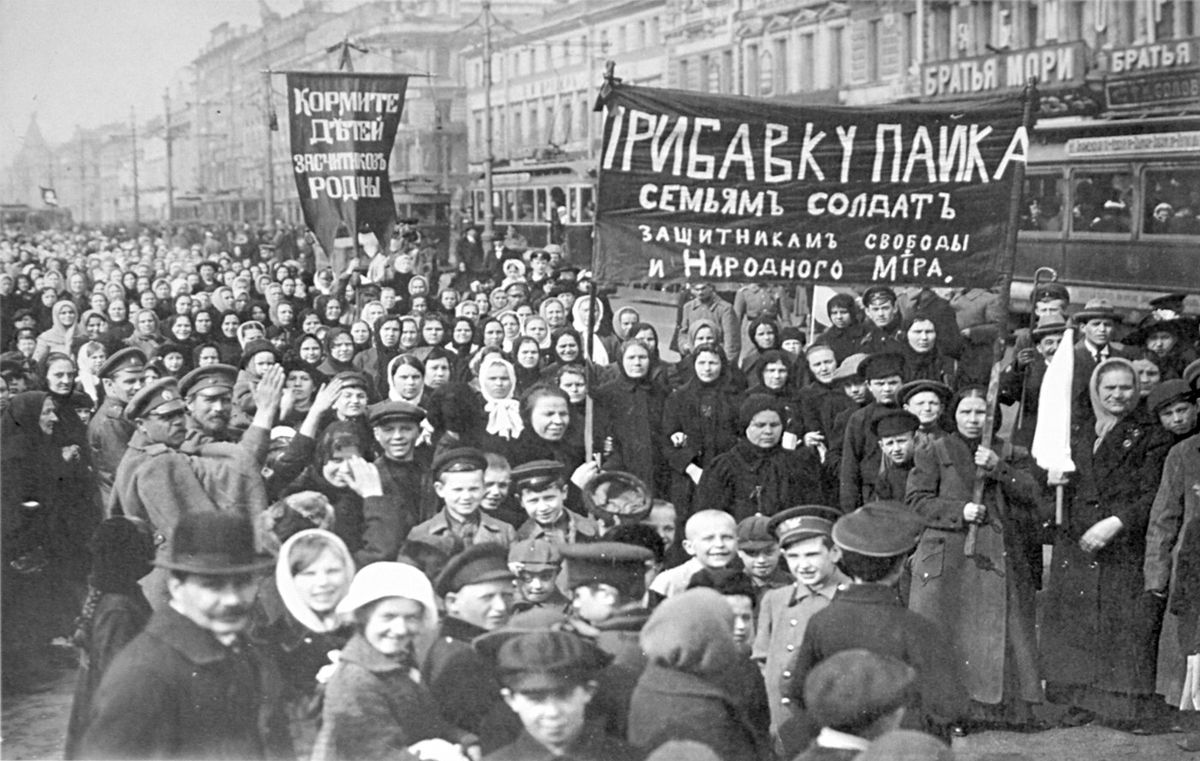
(1048, 326)
(214, 544)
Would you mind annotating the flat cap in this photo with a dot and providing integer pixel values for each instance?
(754, 533)
(210, 376)
(256, 347)
(129, 358)
(1169, 392)
(803, 522)
(536, 475)
(460, 460)
(882, 365)
(394, 410)
(876, 292)
(474, 565)
(912, 388)
(160, 397)
(529, 661)
(353, 379)
(853, 688)
(893, 422)
(614, 495)
(536, 554)
(622, 566)
(878, 529)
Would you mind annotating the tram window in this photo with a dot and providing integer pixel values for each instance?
(1172, 202)
(539, 212)
(1102, 201)
(523, 208)
(588, 207)
(1042, 202)
(558, 200)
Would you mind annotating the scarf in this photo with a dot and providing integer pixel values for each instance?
(1105, 420)
(504, 415)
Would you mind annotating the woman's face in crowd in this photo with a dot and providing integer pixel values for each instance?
(258, 313)
(67, 316)
(549, 417)
(468, 310)
(48, 417)
(775, 375)
(393, 625)
(496, 381)
(311, 324)
(926, 405)
(409, 334)
(1149, 375)
(463, 333)
(418, 306)
(322, 583)
(75, 283)
(342, 348)
(162, 290)
(183, 305)
(483, 303)
(839, 317)
(921, 336)
(433, 332)
(575, 385)
(301, 385)
(94, 326)
(536, 329)
(351, 402)
(1161, 342)
(493, 333)
(822, 364)
(409, 382)
(554, 313)
(418, 287)
(181, 328)
(448, 299)
(310, 350)
(117, 311)
(648, 337)
(498, 300)
(284, 313)
(148, 300)
(765, 429)
(333, 310)
(360, 332)
(49, 297)
(511, 325)
(372, 313)
(437, 372)
(98, 302)
(764, 336)
(970, 416)
(173, 361)
(96, 359)
(262, 362)
(229, 325)
(145, 323)
(528, 354)
(208, 356)
(60, 377)
(708, 367)
(626, 320)
(636, 361)
(203, 322)
(704, 336)
(567, 348)
(389, 332)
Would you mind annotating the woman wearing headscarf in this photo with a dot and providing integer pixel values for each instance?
(700, 420)
(1100, 630)
(62, 333)
(774, 374)
(464, 345)
(406, 381)
(566, 348)
(758, 475)
(385, 346)
(501, 410)
(145, 332)
(845, 334)
(526, 357)
(119, 325)
(986, 600)
(763, 336)
(339, 352)
(580, 317)
(629, 415)
(682, 694)
(922, 358)
(295, 620)
(90, 357)
(227, 337)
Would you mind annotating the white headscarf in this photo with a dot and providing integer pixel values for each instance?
(1105, 420)
(285, 580)
(504, 415)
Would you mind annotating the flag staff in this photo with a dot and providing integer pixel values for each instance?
(1030, 99)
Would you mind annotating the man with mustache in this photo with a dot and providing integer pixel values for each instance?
(209, 394)
(191, 685)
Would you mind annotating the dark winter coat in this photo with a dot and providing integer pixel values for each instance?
(748, 479)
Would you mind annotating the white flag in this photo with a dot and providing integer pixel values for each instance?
(1052, 436)
(820, 304)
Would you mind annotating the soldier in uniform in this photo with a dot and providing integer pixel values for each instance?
(109, 430)
(209, 394)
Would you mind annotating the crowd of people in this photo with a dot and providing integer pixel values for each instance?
(285, 509)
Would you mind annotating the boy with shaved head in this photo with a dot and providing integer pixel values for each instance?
(710, 537)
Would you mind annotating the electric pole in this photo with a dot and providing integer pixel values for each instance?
(489, 230)
(170, 156)
(269, 201)
(137, 210)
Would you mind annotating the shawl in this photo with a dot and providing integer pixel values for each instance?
(504, 415)
(1105, 420)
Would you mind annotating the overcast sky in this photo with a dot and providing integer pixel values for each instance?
(86, 62)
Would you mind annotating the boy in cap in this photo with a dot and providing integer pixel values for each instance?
(606, 582)
(109, 431)
(874, 541)
(404, 479)
(191, 685)
(1174, 404)
(476, 588)
(1096, 322)
(536, 563)
(541, 486)
(811, 556)
(857, 453)
(855, 696)
(1021, 383)
(498, 500)
(896, 431)
(458, 483)
(758, 549)
(550, 678)
(711, 540)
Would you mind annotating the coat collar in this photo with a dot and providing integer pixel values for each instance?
(838, 583)
(870, 594)
(677, 682)
(360, 652)
(185, 637)
(456, 628)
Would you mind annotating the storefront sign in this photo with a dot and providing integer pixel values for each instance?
(1124, 145)
(725, 188)
(342, 129)
(1172, 54)
(1163, 88)
(1054, 66)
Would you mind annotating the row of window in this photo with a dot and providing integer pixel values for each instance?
(553, 205)
(1149, 201)
(556, 121)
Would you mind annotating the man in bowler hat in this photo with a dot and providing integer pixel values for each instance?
(191, 685)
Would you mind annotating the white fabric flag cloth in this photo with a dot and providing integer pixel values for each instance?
(1052, 436)
(820, 304)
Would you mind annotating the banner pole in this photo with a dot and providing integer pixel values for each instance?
(1009, 253)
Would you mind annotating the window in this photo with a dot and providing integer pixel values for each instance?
(641, 35)
(766, 73)
(568, 125)
(684, 75)
(620, 37)
(781, 54)
(1172, 198)
(909, 30)
(873, 51)
(551, 126)
(1042, 203)
(652, 32)
(808, 61)
(837, 37)
(727, 71)
(752, 76)
(518, 136)
(1102, 201)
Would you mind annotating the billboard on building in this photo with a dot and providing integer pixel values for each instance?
(342, 128)
(724, 188)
